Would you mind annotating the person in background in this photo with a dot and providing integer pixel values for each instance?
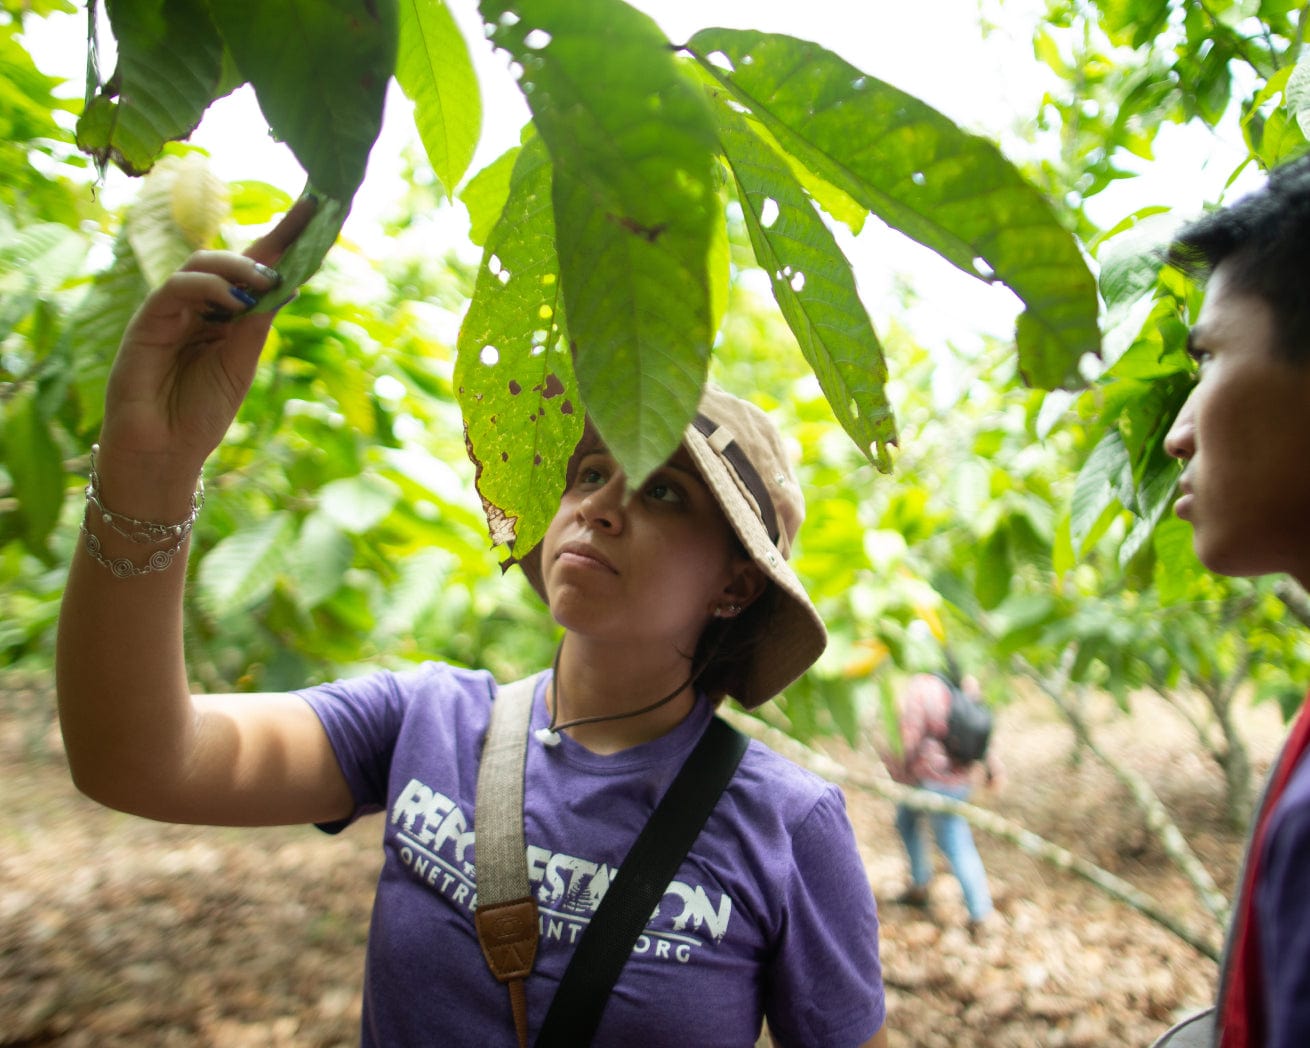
(1243, 436)
(669, 598)
(923, 762)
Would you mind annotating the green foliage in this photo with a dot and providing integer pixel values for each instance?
(341, 529)
(515, 325)
(813, 285)
(448, 108)
(908, 164)
(129, 119)
(635, 135)
(323, 95)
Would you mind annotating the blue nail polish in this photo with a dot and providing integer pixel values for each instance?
(243, 296)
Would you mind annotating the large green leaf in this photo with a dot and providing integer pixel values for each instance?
(302, 259)
(170, 61)
(356, 504)
(1175, 561)
(319, 561)
(320, 70)
(40, 257)
(633, 145)
(513, 375)
(1298, 95)
(243, 568)
(1154, 498)
(35, 469)
(994, 570)
(434, 69)
(484, 195)
(1103, 487)
(907, 163)
(178, 210)
(95, 327)
(814, 287)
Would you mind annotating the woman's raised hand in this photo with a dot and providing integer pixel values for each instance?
(189, 354)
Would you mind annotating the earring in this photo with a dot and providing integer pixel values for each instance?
(727, 611)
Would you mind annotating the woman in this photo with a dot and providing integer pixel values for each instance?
(668, 599)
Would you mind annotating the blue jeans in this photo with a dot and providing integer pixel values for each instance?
(955, 840)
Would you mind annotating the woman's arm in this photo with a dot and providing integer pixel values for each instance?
(135, 738)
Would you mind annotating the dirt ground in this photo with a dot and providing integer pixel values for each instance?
(115, 931)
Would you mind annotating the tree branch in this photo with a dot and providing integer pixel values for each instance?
(1028, 842)
(1158, 820)
(1296, 600)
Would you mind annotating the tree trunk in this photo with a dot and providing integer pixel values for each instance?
(1235, 761)
(1237, 777)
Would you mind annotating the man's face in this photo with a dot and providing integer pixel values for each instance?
(1244, 435)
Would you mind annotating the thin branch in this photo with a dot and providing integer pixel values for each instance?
(999, 826)
(1157, 818)
(1289, 591)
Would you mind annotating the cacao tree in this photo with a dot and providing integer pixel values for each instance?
(605, 229)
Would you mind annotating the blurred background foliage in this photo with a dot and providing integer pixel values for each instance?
(1027, 532)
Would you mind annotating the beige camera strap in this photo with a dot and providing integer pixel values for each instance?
(506, 914)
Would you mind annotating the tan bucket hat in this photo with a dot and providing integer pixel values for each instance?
(743, 461)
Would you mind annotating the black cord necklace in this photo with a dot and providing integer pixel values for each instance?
(550, 736)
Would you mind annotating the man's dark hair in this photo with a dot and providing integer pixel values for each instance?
(1263, 242)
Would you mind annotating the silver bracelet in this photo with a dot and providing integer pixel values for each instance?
(142, 532)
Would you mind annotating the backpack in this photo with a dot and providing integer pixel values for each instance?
(968, 726)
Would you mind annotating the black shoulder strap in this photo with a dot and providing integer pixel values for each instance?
(643, 876)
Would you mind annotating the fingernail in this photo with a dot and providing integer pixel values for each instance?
(268, 273)
(243, 296)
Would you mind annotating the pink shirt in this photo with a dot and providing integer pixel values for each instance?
(925, 705)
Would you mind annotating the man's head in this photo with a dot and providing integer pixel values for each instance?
(1263, 244)
(1244, 433)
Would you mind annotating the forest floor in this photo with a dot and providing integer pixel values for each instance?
(115, 931)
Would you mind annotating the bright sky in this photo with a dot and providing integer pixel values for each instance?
(933, 49)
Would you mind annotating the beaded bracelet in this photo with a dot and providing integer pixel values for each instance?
(142, 532)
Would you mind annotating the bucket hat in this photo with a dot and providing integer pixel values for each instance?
(741, 457)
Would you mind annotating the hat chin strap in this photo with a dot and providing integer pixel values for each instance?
(551, 736)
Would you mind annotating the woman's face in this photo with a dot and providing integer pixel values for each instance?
(1244, 436)
(653, 566)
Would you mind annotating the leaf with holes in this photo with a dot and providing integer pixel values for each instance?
(513, 376)
(814, 286)
(907, 163)
(632, 143)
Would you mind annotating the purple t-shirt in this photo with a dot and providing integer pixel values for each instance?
(1282, 903)
(769, 915)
